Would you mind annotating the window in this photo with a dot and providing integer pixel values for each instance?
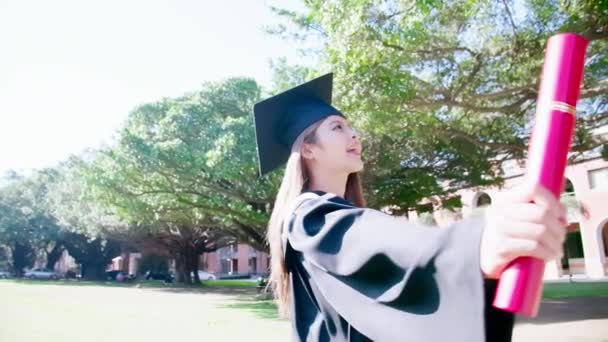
(573, 248)
(253, 263)
(574, 245)
(569, 187)
(225, 265)
(605, 239)
(598, 179)
(483, 200)
(235, 266)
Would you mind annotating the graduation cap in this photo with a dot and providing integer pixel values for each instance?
(280, 119)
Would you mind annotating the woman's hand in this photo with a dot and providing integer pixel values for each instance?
(516, 227)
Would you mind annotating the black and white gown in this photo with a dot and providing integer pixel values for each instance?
(358, 274)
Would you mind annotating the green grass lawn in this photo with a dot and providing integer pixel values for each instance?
(229, 283)
(73, 282)
(261, 308)
(569, 290)
(221, 283)
(223, 310)
(551, 291)
(63, 311)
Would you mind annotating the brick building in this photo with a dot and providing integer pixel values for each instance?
(237, 259)
(586, 247)
(586, 196)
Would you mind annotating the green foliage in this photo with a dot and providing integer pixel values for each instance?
(74, 205)
(4, 257)
(266, 309)
(286, 76)
(51, 210)
(571, 290)
(427, 219)
(442, 91)
(26, 225)
(189, 162)
(445, 90)
(230, 283)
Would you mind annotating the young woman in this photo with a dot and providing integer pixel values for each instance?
(343, 272)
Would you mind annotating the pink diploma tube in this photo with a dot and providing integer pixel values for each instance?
(520, 286)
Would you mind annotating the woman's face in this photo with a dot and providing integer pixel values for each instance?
(337, 147)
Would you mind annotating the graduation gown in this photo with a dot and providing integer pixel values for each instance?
(358, 274)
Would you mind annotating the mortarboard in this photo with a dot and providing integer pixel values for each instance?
(279, 120)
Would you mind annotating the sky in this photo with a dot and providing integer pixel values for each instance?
(71, 70)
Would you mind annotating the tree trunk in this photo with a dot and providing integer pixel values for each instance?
(179, 275)
(53, 256)
(94, 270)
(193, 258)
(93, 256)
(183, 269)
(186, 264)
(23, 256)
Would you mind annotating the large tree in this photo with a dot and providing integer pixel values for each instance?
(192, 157)
(85, 225)
(16, 234)
(26, 226)
(158, 223)
(445, 90)
(183, 175)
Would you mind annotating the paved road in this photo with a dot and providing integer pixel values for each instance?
(574, 319)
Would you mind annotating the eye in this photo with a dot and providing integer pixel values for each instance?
(337, 126)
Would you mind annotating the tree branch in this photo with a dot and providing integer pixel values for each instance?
(426, 52)
(593, 34)
(472, 74)
(595, 121)
(584, 148)
(506, 109)
(601, 89)
(259, 240)
(473, 140)
(509, 92)
(510, 17)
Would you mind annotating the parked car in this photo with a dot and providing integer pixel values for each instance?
(71, 274)
(118, 275)
(202, 275)
(167, 277)
(41, 273)
(5, 274)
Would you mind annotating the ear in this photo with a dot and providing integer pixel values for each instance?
(307, 151)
